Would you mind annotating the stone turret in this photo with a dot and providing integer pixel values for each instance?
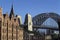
(0, 11)
(28, 22)
(19, 19)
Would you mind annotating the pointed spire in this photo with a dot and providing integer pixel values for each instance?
(11, 12)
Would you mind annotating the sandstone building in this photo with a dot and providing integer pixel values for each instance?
(9, 26)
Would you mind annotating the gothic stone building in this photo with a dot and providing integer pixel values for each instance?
(9, 26)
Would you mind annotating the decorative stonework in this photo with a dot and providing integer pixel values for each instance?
(10, 27)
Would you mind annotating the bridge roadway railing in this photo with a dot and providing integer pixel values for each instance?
(41, 27)
(45, 27)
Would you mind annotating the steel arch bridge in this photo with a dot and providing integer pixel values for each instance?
(40, 18)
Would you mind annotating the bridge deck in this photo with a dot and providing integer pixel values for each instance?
(44, 27)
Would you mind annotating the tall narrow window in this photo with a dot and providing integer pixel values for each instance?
(7, 30)
(16, 33)
(0, 29)
(12, 31)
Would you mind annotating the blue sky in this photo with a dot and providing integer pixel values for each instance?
(34, 7)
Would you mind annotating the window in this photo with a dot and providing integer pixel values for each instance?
(0, 23)
(0, 28)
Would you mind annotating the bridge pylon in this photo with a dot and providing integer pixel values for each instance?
(28, 22)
